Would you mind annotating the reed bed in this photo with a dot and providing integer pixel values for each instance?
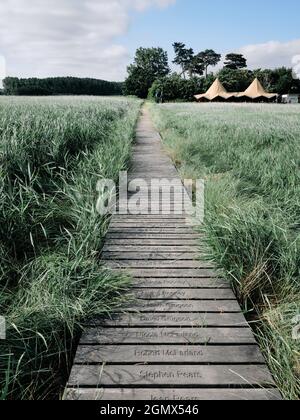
(52, 153)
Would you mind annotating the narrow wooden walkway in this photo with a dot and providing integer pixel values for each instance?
(185, 337)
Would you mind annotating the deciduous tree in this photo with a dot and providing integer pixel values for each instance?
(149, 64)
(209, 58)
(235, 61)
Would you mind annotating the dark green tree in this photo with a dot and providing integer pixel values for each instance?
(208, 58)
(235, 61)
(196, 66)
(149, 64)
(60, 86)
(280, 80)
(235, 80)
(175, 88)
(184, 57)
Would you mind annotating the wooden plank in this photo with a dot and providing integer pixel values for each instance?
(162, 163)
(173, 319)
(184, 294)
(146, 200)
(140, 171)
(217, 306)
(157, 204)
(150, 176)
(151, 166)
(147, 175)
(182, 282)
(154, 186)
(144, 224)
(157, 189)
(161, 188)
(134, 206)
(143, 202)
(148, 249)
(169, 354)
(119, 375)
(151, 218)
(137, 224)
(150, 256)
(162, 196)
(166, 335)
(171, 273)
(152, 242)
(160, 159)
(145, 211)
(182, 264)
(140, 236)
(125, 394)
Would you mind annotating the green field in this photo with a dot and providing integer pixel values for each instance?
(52, 153)
(249, 156)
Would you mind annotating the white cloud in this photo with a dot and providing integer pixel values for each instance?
(67, 37)
(271, 54)
(296, 66)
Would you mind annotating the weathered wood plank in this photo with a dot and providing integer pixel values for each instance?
(161, 394)
(153, 242)
(173, 319)
(217, 306)
(182, 264)
(170, 273)
(157, 189)
(164, 256)
(142, 211)
(181, 218)
(166, 335)
(157, 198)
(145, 250)
(149, 225)
(135, 205)
(169, 354)
(141, 202)
(181, 283)
(231, 375)
(184, 294)
(140, 236)
(141, 169)
(152, 225)
(150, 176)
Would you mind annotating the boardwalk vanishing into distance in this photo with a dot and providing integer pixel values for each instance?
(185, 336)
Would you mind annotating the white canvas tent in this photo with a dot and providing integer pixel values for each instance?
(255, 92)
(215, 92)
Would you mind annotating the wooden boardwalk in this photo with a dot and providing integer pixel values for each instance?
(185, 336)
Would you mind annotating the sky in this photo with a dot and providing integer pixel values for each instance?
(98, 38)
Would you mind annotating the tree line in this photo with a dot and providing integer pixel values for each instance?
(150, 74)
(60, 86)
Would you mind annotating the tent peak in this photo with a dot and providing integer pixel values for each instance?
(216, 90)
(256, 90)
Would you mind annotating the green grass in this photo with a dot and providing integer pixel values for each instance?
(249, 156)
(52, 153)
